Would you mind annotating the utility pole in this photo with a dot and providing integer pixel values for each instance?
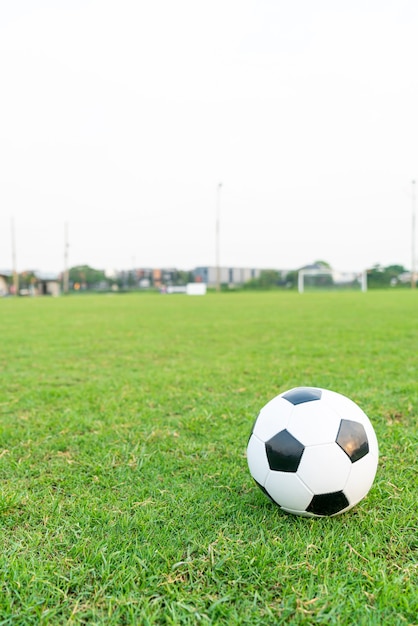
(14, 262)
(65, 278)
(218, 228)
(413, 248)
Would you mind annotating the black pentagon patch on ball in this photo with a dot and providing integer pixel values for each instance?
(328, 503)
(352, 439)
(284, 452)
(302, 394)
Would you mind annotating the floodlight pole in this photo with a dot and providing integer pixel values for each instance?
(413, 249)
(218, 228)
(65, 280)
(14, 262)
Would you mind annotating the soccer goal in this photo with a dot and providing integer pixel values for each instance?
(331, 280)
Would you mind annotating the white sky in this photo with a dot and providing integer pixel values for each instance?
(121, 117)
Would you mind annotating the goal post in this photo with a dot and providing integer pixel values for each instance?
(331, 280)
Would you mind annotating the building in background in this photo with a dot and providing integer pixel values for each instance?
(47, 284)
(231, 276)
(5, 278)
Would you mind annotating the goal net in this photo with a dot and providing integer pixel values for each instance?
(331, 280)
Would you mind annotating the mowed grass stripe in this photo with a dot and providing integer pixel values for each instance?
(125, 496)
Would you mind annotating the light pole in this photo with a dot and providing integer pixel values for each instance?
(14, 263)
(65, 277)
(218, 228)
(413, 250)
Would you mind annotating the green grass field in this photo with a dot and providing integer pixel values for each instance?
(125, 496)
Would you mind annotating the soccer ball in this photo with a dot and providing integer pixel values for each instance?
(313, 452)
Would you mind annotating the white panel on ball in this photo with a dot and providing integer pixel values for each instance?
(361, 478)
(257, 459)
(273, 418)
(324, 469)
(314, 423)
(288, 490)
(346, 408)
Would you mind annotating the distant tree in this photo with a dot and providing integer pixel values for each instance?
(266, 280)
(379, 276)
(27, 279)
(182, 277)
(86, 277)
(291, 279)
(323, 264)
(395, 270)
